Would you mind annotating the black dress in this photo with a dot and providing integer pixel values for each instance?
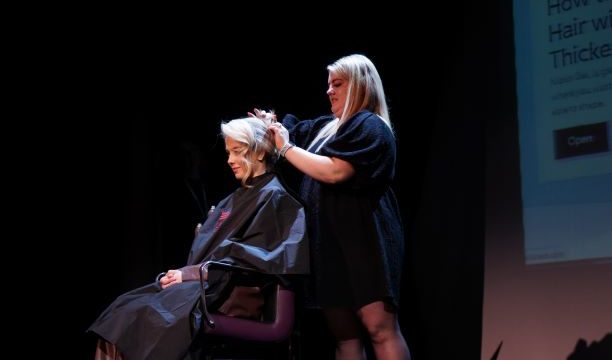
(355, 230)
(261, 227)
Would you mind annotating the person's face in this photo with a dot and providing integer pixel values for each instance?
(236, 160)
(336, 90)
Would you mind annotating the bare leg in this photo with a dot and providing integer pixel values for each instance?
(107, 351)
(351, 349)
(346, 329)
(385, 334)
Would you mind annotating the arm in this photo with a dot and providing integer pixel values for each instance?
(322, 168)
(187, 273)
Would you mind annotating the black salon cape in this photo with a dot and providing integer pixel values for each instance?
(261, 227)
(355, 229)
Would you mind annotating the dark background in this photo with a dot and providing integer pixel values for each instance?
(147, 101)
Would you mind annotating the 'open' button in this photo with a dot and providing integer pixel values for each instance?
(581, 140)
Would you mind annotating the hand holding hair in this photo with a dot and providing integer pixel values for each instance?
(263, 115)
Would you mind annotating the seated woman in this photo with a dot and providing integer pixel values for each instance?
(260, 226)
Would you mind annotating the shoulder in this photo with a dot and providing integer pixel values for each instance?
(368, 119)
(368, 123)
(291, 121)
(273, 187)
(276, 189)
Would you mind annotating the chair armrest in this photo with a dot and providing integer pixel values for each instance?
(211, 265)
(214, 265)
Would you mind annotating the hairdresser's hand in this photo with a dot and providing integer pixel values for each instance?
(172, 277)
(281, 134)
(263, 115)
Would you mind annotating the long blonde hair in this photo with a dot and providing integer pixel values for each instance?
(365, 92)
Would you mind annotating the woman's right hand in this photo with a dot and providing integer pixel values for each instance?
(263, 115)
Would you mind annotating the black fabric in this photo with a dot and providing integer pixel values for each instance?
(356, 236)
(261, 227)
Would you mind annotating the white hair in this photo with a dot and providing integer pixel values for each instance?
(253, 132)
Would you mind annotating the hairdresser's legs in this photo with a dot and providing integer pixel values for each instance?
(107, 351)
(385, 334)
(345, 328)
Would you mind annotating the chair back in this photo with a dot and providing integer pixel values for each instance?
(274, 329)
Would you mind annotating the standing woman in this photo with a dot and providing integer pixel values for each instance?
(348, 162)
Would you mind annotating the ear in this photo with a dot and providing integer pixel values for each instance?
(261, 155)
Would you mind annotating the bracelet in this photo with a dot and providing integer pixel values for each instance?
(285, 148)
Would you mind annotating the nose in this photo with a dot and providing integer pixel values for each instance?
(330, 90)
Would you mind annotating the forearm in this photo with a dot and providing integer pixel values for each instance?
(322, 168)
(192, 273)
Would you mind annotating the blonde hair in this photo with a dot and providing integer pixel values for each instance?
(365, 92)
(253, 132)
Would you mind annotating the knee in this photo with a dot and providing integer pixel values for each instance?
(379, 333)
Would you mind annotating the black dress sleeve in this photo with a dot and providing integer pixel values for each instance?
(302, 132)
(368, 144)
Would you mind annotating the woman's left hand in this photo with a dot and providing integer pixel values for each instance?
(172, 277)
(281, 134)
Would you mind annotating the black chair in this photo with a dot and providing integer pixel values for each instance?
(273, 334)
